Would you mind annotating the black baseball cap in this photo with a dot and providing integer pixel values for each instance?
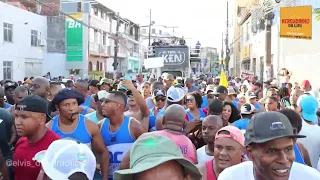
(32, 103)
(220, 90)
(66, 93)
(94, 83)
(267, 126)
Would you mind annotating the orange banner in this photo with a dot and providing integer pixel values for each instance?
(296, 22)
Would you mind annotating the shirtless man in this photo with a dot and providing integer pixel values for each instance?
(137, 105)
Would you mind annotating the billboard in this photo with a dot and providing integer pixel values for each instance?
(173, 56)
(296, 22)
(74, 38)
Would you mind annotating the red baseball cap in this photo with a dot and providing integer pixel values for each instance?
(305, 83)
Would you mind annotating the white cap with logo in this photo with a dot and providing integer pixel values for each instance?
(65, 157)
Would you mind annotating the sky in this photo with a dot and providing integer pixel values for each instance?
(198, 20)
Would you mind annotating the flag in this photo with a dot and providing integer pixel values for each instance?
(223, 79)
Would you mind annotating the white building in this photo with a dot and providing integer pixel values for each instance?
(22, 43)
(298, 55)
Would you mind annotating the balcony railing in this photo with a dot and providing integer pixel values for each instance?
(134, 54)
(94, 47)
(98, 48)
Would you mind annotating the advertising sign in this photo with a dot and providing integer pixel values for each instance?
(173, 56)
(296, 22)
(74, 38)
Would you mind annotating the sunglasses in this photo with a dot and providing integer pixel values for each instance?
(191, 100)
(109, 101)
(160, 99)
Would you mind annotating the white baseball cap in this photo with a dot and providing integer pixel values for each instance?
(175, 94)
(65, 157)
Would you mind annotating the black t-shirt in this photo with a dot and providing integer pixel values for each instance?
(49, 117)
(6, 122)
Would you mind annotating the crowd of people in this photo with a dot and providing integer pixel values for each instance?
(196, 129)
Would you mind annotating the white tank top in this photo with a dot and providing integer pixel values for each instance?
(202, 156)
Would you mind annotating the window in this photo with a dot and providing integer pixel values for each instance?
(7, 69)
(153, 31)
(96, 36)
(160, 32)
(34, 38)
(104, 38)
(247, 32)
(144, 31)
(102, 14)
(101, 66)
(97, 66)
(136, 48)
(96, 11)
(246, 65)
(90, 66)
(7, 32)
(131, 31)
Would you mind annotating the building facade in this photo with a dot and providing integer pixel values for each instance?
(22, 43)
(285, 53)
(209, 60)
(129, 58)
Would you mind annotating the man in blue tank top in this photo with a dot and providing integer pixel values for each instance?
(118, 131)
(72, 125)
(88, 105)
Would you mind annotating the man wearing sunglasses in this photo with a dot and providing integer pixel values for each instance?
(97, 116)
(159, 100)
(118, 131)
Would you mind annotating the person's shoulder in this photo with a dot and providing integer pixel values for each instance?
(90, 114)
(200, 149)
(303, 171)
(52, 135)
(22, 140)
(241, 171)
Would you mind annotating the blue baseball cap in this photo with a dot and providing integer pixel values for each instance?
(309, 106)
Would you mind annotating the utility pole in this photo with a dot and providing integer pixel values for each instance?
(150, 23)
(268, 64)
(222, 52)
(227, 41)
(116, 48)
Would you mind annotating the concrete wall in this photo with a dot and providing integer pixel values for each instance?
(20, 50)
(55, 63)
(56, 34)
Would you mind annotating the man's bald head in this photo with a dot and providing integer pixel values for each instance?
(214, 119)
(40, 86)
(41, 80)
(175, 114)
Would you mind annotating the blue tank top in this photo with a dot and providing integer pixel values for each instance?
(8, 106)
(118, 143)
(190, 117)
(86, 105)
(80, 133)
(299, 158)
(257, 106)
(192, 89)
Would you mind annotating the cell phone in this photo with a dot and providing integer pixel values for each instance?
(127, 78)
